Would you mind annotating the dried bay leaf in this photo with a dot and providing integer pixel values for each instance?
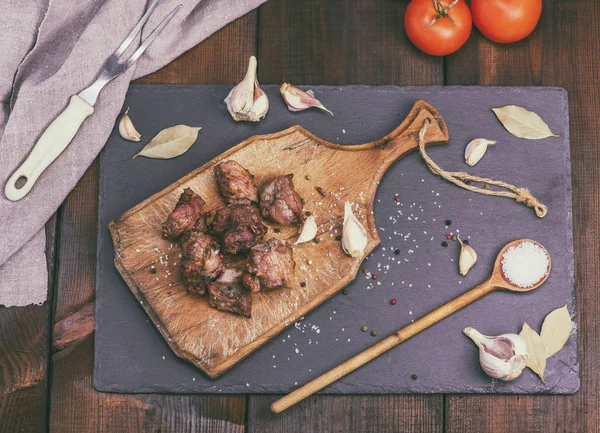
(523, 123)
(556, 330)
(170, 142)
(536, 353)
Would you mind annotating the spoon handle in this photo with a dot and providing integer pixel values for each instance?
(383, 346)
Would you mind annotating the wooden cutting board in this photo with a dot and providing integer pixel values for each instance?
(215, 341)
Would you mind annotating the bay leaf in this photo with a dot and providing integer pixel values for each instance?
(556, 330)
(170, 142)
(523, 123)
(536, 353)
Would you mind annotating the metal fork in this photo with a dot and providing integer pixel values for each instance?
(61, 131)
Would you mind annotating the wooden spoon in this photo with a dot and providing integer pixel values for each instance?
(496, 281)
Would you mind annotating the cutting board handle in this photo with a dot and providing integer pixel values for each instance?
(403, 139)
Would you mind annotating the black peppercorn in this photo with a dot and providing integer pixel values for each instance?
(277, 230)
(317, 240)
(444, 244)
(374, 333)
(413, 377)
(344, 291)
(303, 284)
(396, 251)
(307, 213)
(448, 222)
(338, 238)
(153, 270)
(466, 242)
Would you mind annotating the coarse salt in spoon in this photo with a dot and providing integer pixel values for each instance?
(521, 266)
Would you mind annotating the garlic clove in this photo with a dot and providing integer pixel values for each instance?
(501, 357)
(126, 128)
(299, 100)
(309, 230)
(476, 149)
(354, 235)
(247, 101)
(467, 259)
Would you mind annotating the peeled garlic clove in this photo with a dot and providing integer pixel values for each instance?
(476, 149)
(299, 100)
(501, 357)
(126, 128)
(247, 101)
(354, 235)
(468, 258)
(309, 230)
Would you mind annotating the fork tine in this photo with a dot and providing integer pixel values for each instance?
(136, 29)
(151, 37)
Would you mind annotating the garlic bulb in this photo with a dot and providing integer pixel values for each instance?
(247, 101)
(126, 128)
(467, 259)
(476, 149)
(309, 230)
(502, 357)
(354, 235)
(299, 100)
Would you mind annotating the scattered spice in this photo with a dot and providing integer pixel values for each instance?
(466, 242)
(320, 191)
(307, 213)
(277, 230)
(344, 291)
(303, 200)
(364, 329)
(303, 284)
(454, 238)
(317, 240)
(444, 244)
(393, 302)
(413, 376)
(448, 222)
(221, 255)
(396, 251)
(397, 199)
(307, 177)
(153, 270)
(486, 187)
(448, 236)
(338, 238)
(374, 333)
(365, 271)
(374, 276)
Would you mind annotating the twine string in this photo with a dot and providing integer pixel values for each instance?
(520, 195)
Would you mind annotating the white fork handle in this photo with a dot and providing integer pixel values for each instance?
(50, 145)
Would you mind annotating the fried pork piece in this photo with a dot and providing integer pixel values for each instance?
(228, 294)
(236, 183)
(238, 227)
(184, 216)
(270, 266)
(280, 202)
(201, 261)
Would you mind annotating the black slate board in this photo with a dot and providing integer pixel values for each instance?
(132, 357)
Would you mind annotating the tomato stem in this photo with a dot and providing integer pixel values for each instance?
(441, 12)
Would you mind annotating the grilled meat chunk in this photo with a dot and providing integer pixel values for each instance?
(228, 294)
(270, 266)
(201, 261)
(236, 183)
(280, 202)
(238, 227)
(184, 216)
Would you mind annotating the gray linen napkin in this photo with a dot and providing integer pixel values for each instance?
(52, 49)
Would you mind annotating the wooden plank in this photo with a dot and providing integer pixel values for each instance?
(186, 321)
(343, 42)
(24, 350)
(75, 405)
(562, 51)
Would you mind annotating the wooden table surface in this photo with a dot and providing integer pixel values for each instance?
(46, 352)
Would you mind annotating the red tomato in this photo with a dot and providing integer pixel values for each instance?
(506, 21)
(447, 34)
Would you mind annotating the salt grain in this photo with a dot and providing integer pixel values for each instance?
(525, 264)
